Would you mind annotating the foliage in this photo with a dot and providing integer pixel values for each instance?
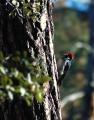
(21, 78)
(25, 9)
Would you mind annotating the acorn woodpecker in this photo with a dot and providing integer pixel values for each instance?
(68, 58)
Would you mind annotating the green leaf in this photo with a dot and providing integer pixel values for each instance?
(28, 99)
(17, 89)
(5, 80)
(3, 97)
(22, 91)
(10, 95)
(33, 88)
(2, 69)
(45, 78)
(41, 79)
(2, 94)
(39, 96)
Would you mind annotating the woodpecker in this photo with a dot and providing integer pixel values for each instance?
(68, 58)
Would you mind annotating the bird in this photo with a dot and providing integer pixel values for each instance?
(67, 58)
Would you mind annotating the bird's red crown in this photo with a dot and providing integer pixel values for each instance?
(70, 55)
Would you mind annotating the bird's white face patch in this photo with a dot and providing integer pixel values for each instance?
(68, 62)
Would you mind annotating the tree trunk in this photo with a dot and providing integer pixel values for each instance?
(88, 109)
(36, 37)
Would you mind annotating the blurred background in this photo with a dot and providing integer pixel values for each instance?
(74, 31)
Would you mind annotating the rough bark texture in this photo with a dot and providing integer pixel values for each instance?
(24, 34)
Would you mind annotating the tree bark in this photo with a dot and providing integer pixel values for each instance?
(36, 37)
(88, 109)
